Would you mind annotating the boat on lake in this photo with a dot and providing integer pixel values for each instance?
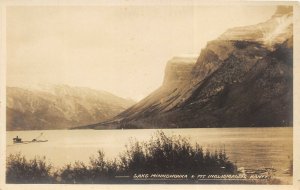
(35, 140)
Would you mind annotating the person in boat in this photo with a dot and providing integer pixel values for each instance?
(17, 139)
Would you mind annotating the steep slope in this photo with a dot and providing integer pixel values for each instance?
(60, 106)
(176, 76)
(242, 79)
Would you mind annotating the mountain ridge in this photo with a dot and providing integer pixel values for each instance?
(60, 107)
(241, 79)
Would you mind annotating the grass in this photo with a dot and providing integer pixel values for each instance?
(161, 154)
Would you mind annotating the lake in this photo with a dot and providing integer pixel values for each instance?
(248, 147)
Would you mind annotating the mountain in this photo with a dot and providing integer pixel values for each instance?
(244, 78)
(59, 107)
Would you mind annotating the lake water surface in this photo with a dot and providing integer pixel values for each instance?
(248, 147)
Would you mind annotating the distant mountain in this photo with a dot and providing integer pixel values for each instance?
(244, 78)
(60, 107)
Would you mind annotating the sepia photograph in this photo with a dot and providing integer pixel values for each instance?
(133, 93)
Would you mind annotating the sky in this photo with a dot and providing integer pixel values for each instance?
(119, 49)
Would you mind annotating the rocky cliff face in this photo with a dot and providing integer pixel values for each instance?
(178, 71)
(58, 107)
(274, 31)
(177, 75)
(242, 79)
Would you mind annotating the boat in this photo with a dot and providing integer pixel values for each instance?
(35, 140)
(17, 140)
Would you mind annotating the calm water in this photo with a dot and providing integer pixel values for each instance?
(248, 147)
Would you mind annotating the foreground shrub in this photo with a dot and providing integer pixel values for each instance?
(99, 171)
(163, 154)
(21, 170)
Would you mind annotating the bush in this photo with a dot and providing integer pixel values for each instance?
(99, 171)
(20, 170)
(163, 154)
